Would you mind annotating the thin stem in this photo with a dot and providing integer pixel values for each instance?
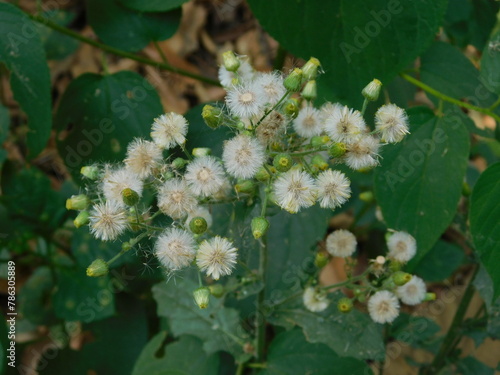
(260, 317)
(240, 369)
(365, 104)
(257, 365)
(118, 52)
(160, 52)
(449, 99)
(381, 364)
(188, 155)
(494, 105)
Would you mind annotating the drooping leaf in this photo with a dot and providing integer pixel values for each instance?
(22, 52)
(183, 357)
(419, 182)
(485, 222)
(439, 263)
(290, 353)
(99, 115)
(152, 5)
(127, 29)
(353, 46)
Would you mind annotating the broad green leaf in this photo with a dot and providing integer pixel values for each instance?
(183, 357)
(100, 114)
(217, 326)
(484, 285)
(34, 298)
(152, 5)
(127, 29)
(472, 366)
(416, 331)
(290, 354)
(57, 45)
(485, 223)
(349, 335)
(490, 64)
(419, 182)
(353, 46)
(439, 263)
(22, 52)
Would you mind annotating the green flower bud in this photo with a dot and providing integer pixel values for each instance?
(231, 62)
(90, 171)
(337, 150)
(212, 116)
(126, 246)
(319, 141)
(259, 225)
(321, 260)
(130, 197)
(262, 175)
(466, 191)
(367, 196)
(294, 80)
(245, 186)
(291, 107)
(201, 151)
(81, 219)
(372, 90)
(282, 162)
(217, 290)
(198, 225)
(360, 295)
(400, 278)
(168, 175)
(395, 266)
(77, 202)
(429, 297)
(319, 163)
(202, 297)
(99, 267)
(310, 69)
(344, 305)
(309, 92)
(179, 163)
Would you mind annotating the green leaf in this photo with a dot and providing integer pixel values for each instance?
(99, 115)
(439, 263)
(127, 29)
(416, 331)
(34, 298)
(152, 5)
(419, 182)
(490, 63)
(183, 357)
(22, 52)
(4, 130)
(349, 335)
(57, 45)
(472, 366)
(290, 353)
(217, 326)
(485, 222)
(353, 46)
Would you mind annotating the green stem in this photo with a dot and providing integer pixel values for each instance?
(449, 99)
(494, 105)
(365, 104)
(257, 365)
(160, 52)
(118, 52)
(260, 318)
(240, 369)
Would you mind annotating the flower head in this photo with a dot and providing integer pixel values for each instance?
(383, 307)
(341, 243)
(272, 87)
(169, 130)
(115, 181)
(243, 156)
(333, 189)
(200, 211)
(175, 249)
(245, 100)
(402, 247)
(392, 123)
(205, 176)
(175, 199)
(315, 300)
(243, 74)
(344, 124)
(108, 220)
(217, 257)
(271, 128)
(295, 189)
(413, 292)
(308, 123)
(142, 157)
(363, 153)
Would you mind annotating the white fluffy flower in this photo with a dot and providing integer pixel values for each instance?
(108, 220)
(392, 123)
(314, 300)
(205, 176)
(341, 243)
(344, 124)
(308, 123)
(328, 109)
(217, 257)
(245, 100)
(383, 307)
(333, 189)
(115, 181)
(175, 199)
(295, 189)
(169, 130)
(175, 249)
(402, 247)
(271, 128)
(413, 292)
(142, 157)
(244, 73)
(363, 153)
(272, 86)
(200, 211)
(243, 156)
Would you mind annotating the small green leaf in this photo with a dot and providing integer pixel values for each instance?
(152, 5)
(485, 222)
(183, 357)
(439, 263)
(127, 29)
(290, 354)
(22, 52)
(420, 179)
